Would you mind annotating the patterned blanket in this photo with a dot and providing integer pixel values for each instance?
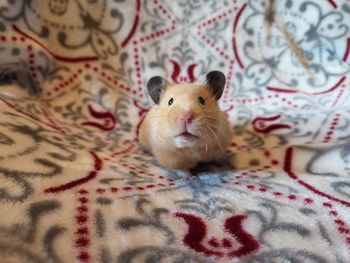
(75, 186)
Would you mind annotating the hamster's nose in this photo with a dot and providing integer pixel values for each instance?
(185, 117)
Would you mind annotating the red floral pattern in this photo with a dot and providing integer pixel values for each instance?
(75, 184)
(197, 232)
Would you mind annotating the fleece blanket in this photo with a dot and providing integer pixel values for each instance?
(75, 186)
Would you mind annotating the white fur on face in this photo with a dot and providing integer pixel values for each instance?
(183, 143)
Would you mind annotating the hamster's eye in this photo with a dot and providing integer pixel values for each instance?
(170, 101)
(201, 100)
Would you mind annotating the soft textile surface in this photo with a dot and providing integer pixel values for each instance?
(75, 185)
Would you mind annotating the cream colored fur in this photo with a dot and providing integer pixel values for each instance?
(158, 131)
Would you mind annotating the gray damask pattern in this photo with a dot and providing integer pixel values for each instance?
(75, 186)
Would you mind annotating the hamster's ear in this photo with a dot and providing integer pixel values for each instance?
(215, 82)
(155, 85)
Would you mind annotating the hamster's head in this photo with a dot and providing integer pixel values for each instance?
(187, 115)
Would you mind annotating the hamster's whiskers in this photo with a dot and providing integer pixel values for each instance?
(208, 125)
(161, 120)
(204, 138)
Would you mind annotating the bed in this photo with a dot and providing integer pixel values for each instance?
(75, 186)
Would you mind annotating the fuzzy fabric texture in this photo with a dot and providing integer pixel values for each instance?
(76, 187)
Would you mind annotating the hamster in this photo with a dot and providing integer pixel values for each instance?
(186, 126)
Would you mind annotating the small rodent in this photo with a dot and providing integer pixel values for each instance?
(186, 126)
